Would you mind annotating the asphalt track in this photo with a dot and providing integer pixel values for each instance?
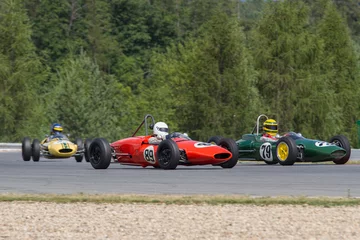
(253, 179)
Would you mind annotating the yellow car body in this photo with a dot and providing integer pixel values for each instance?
(58, 147)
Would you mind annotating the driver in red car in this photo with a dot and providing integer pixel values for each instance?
(160, 131)
(270, 128)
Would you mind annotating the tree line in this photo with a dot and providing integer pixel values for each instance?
(206, 67)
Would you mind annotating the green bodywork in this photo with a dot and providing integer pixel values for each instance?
(252, 147)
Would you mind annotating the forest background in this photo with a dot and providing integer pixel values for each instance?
(205, 67)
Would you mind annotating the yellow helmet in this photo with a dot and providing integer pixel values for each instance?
(270, 127)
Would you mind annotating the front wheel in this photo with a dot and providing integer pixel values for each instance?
(100, 153)
(26, 149)
(343, 142)
(286, 151)
(87, 149)
(80, 147)
(232, 147)
(36, 150)
(168, 154)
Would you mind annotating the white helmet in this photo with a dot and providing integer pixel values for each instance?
(161, 129)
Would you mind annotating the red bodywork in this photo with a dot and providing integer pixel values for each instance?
(137, 151)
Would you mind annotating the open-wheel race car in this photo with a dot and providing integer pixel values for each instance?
(291, 147)
(54, 146)
(176, 149)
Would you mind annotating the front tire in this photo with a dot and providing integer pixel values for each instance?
(168, 154)
(286, 151)
(80, 145)
(100, 153)
(343, 142)
(36, 150)
(26, 149)
(87, 149)
(232, 147)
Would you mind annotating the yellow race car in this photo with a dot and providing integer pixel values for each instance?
(54, 146)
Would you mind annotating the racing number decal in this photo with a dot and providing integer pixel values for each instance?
(149, 154)
(265, 151)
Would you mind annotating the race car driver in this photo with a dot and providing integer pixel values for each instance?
(270, 129)
(160, 131)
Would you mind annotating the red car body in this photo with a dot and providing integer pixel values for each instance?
(177, 149)
(138, 151)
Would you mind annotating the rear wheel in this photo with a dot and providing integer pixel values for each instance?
(80, 145)
(100, 153)
(26, 149)
(215, 140)
(343, 142)
(286, 151)
(36, 150)
(168, 154)
(87, 148)
(232, 147)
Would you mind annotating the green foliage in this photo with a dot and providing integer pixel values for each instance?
(84, 100)
(205, 67)
(21, 74)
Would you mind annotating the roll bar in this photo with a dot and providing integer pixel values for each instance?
(258, 123)
(146, 124)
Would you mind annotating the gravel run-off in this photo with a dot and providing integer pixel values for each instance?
(34, 220)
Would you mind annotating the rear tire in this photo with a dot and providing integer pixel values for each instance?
(80, 145)
(232, 147)
(286, 151)
(343, 142)
(26, 149)
(215, 140)
(36, 150)
(87, 149)
(168, 154)
(100, 153)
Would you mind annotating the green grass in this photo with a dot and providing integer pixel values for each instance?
(182, 200)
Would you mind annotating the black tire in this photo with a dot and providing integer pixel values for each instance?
(343, 142)
(215, 140)
(288, 155)
(87, 148)
(168, 154)
(272, 162)
(100, 153)
(35, 150)
(231, 146)
(26, 149)
(80, 145)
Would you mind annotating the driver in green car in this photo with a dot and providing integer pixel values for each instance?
(270, 128)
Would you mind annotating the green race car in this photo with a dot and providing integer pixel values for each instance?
(290, 148)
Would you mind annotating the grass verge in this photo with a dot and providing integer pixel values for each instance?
(182, 200)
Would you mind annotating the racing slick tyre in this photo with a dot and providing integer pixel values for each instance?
(35, 150)
(79, 143)
(271, 162)
(100, 153)
(286, 151)
(26, 149)
(168, 154)
(215, 140)
(231, 146)
(343, 142)
(86, 149)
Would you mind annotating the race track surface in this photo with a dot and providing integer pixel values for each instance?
(254, 179)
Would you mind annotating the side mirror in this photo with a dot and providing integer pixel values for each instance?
(46, 135)
(151, 126)
(68, 134)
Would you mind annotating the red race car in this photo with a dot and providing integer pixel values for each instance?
(176, 149)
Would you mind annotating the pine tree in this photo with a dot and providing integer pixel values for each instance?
(21, 74)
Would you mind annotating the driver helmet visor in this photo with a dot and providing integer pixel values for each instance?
(163, 129)
(271, 127)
